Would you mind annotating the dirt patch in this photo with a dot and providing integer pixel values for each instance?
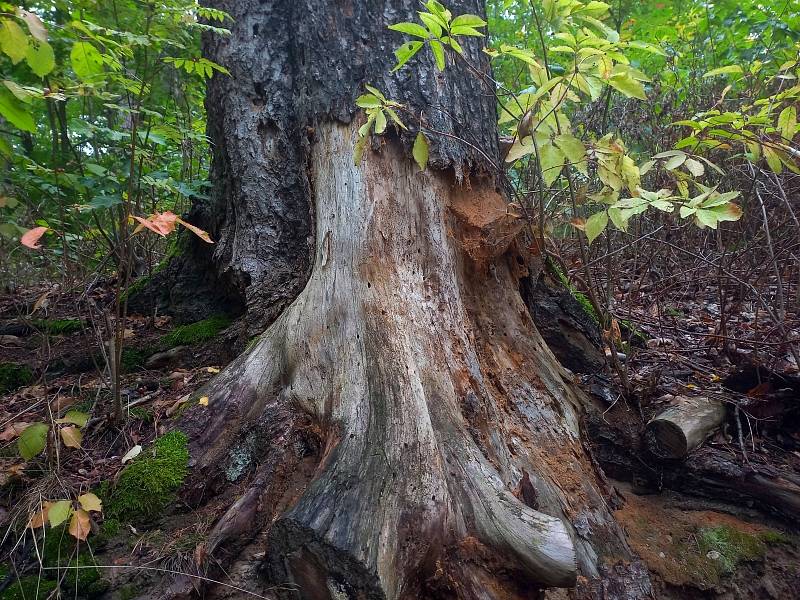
(708, 554)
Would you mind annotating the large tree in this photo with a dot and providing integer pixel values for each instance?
(399, 429)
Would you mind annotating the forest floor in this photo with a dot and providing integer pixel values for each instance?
(49, 366)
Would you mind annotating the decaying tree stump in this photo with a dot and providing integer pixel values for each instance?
(400, 429)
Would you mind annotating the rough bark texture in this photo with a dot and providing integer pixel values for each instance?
(400, 430)
(294, 65)
(450, 461)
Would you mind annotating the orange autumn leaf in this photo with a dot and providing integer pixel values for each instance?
(31, 237)
(164, 223)
(40, 518)
(80, 525)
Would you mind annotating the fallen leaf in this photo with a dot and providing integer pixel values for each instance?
(90, 502)
(59, 512)
(13, 430)
(71, 436)
(213, 370)
(32, 236)
(74, 417)
(132, 453)
(79, 526)
(40, 518)
(203, 401)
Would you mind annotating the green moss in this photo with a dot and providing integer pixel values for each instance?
(133, 359)
(59, 326)
(13, 376)
(186, 335)
(580, 297)
(31, 587)
(732, 545)
(149, 483)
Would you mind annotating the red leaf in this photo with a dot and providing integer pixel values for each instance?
(31, 237)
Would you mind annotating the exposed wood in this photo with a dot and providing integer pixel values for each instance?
(412, 354)
(682, 427)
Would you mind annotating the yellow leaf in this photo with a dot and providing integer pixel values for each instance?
(213, 370)
(80, 525)
(90, 502)
(71, 436)
(203, 401)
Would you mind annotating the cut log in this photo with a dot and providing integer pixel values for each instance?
(682, 427)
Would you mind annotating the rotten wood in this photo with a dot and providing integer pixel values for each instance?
(682, 427)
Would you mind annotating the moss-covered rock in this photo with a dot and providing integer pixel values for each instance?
(150, 482)
(201, 331)
(13, 376)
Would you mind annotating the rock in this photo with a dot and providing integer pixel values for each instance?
(162, 359)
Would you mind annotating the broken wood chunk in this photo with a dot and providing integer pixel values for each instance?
(682, 427)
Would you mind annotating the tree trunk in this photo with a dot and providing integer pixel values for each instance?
(400, 430)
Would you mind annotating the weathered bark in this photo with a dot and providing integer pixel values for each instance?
(682, 427)
(400, 430)
(435, 398)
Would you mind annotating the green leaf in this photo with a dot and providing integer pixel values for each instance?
(619, 220)
(695, 167)
(375, 91)
(87, 62)
(676, 161)
(369, 101)
(395, 118)
(651, 48)
(420, 151)
(773, 160)
(574, 150)
(40, 58)
(787, 123)
(706, 217)
(595, 225)
(414, 29)
(629, 86)
(358, 150)
(59, 512)
(380, 122)
(405, 52)
(13, 40)
(551, 160)
(14, 112)
(74, 417)
(728, 70)
(32, 440)
(434, 24)
(468, 21)
(438, 54)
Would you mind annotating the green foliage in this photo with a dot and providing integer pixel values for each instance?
(109, 101)
(194, 333)
(149, 483)
(13, 376)
(59, 326)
